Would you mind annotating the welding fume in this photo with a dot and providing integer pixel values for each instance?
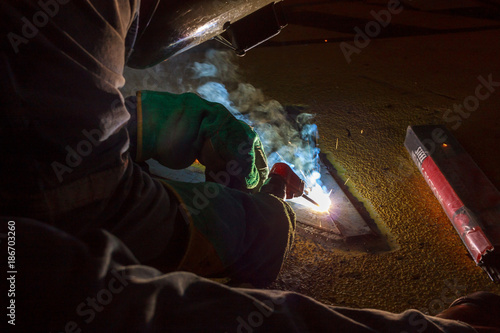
(287, 136)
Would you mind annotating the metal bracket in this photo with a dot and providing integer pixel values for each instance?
(253, 29)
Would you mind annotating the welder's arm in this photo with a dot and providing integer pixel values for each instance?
(178, 129)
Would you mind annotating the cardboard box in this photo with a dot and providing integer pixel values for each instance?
(470, 200)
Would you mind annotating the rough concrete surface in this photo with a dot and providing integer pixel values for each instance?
(425, 61)
(412, 71)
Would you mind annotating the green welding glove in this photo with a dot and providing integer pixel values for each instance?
(178, 129)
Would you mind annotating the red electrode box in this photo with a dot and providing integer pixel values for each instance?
(470, 200)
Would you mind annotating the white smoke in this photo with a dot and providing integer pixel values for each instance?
(214, 76)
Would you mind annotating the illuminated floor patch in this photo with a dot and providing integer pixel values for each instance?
(342, 219)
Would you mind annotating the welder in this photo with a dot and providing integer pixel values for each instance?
(95, 232)
(66, 137)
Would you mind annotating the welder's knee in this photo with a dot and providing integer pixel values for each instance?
(271, 244)
(237, 235)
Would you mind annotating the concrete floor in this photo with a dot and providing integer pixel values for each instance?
(428, 59)
(416, 68)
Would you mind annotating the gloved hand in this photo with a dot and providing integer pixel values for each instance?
(178, 129)
(283, 182)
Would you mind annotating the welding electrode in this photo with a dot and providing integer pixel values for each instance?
(309, 199)
(284, 183)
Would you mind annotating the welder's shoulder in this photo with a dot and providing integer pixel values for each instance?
(90, 33)
(118, 13)
(38, 15)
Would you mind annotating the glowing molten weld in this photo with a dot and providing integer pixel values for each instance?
(321, 197)
(317, 193)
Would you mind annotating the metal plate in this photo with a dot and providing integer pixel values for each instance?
(343, 219)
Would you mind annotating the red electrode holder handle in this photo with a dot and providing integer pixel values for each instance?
(294, 186)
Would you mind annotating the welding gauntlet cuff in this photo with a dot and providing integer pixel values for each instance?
(178, 129)
(233, 234)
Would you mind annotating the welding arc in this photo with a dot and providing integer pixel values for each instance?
(310, 200)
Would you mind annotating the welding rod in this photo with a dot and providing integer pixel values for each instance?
(310, 200)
